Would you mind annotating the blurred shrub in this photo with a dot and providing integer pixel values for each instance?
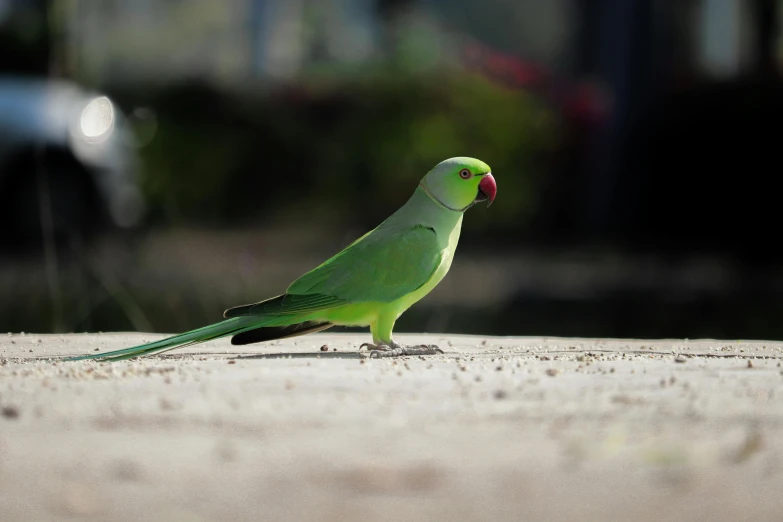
(339, 152)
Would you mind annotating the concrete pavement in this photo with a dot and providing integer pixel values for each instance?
(496, 429)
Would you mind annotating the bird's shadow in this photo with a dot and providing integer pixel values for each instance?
(306, 355)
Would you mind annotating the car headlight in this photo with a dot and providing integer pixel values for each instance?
(97, 120)
(93, 127)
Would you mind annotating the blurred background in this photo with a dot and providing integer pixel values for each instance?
(163, 161)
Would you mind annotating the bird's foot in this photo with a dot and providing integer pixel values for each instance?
(393, 349)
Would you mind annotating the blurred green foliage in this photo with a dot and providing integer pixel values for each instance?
(339, 152)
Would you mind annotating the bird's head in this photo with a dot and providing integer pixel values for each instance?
(459, 183)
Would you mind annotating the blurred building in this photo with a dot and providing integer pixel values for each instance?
(241, 39)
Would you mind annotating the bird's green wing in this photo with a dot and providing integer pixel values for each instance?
(382, 266)
(286, 304)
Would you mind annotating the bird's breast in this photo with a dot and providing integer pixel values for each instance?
(447, 256)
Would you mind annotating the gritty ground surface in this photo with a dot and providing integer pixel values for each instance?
(495, 429)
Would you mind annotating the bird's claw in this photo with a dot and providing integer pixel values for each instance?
(397, 350)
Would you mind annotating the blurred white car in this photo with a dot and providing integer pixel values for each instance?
(67, 161)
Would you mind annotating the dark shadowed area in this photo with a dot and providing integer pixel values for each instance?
(163, 161)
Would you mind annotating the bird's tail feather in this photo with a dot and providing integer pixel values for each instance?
(231, 326)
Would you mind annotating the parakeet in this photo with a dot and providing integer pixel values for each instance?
(369, 283)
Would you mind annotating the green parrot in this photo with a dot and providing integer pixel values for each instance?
(371, 282)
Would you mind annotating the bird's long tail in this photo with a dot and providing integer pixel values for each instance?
(231, 326)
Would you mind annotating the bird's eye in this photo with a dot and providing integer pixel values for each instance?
(464, 173)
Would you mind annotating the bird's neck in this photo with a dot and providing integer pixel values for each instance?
(421, 209)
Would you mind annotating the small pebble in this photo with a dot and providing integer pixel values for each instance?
(324, 348)
(9, 412)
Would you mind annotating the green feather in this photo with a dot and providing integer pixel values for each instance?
(390, 262)
(286, 304)
(206, 333)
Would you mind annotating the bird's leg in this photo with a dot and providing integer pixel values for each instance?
(383, 346)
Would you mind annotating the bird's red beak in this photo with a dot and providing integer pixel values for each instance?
(487, 189)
